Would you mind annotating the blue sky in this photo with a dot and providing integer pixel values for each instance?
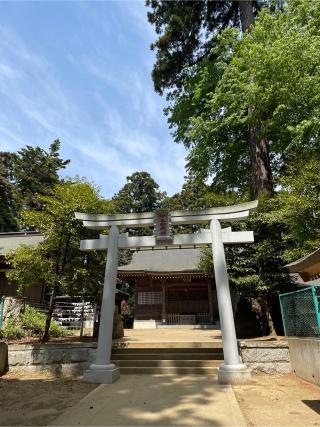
(80, 71)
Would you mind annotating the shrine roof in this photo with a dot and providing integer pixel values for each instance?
(308, 264)
(11, 241)
(164, 261)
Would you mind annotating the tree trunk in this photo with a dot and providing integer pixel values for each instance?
(45, 336)
(267, 313)
(246, 14)
(261, 175)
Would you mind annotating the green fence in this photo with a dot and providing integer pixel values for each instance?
(301, 313)
(1, 310)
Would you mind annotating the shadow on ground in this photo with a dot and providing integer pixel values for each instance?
(157, 400)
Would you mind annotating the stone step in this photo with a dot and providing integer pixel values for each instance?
(167, 345)
(168, 356)
(192, 327)
(160, 350)
(169, 370)
(168, 363)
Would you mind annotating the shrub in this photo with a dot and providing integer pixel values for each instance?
(30, 323)
(32, 320)
(57, 331)
(12, 329)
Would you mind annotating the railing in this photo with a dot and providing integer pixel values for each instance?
(173, 318)
(201, 318)
(301, 312)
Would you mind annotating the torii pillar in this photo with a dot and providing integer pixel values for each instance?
(232, 371)
(103, 371)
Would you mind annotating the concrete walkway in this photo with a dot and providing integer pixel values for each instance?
(156, 400)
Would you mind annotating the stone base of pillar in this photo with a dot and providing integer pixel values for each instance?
(101, 374)
(234, 374)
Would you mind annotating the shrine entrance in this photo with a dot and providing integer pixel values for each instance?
(188, 305)
(196, 299)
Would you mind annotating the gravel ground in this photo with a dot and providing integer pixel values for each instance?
(279, 400)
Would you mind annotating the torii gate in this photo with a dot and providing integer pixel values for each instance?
(232, 370)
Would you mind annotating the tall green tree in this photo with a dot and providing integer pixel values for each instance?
(140, 194)
(223, 110)
(187, 33)
(35, 172)
(57, 261)
(298, 203)
(8, 198)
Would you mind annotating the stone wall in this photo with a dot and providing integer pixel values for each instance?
(271, 357)
(305, 358)
(64, 359)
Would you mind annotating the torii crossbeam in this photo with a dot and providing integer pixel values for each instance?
(232, 371)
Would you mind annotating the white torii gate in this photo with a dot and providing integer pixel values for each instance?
(232, 370)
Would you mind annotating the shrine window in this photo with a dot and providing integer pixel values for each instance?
(149, 298)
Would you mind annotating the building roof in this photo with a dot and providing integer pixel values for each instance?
(308, 264)
(163, 261)
(12, 241)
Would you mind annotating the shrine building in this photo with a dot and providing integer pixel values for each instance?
(170, 289)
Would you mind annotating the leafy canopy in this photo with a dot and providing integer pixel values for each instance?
(57, 261)
(272, 72)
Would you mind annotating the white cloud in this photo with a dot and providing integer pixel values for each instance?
(124, 131)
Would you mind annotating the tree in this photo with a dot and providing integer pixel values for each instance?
(187, 33)
(8, 206)
(299, 204)
(140, 194)
(57, 261)
(239, 115)
(35, 172)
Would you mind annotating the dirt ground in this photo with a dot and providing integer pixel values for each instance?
(270, 400)
(279, 400)
(35, 400)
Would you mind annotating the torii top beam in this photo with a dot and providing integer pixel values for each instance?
(223, 213)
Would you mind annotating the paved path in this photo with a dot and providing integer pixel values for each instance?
(150, 400)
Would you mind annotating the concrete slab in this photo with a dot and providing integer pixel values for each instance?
(156, 400)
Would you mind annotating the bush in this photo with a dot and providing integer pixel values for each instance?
(32, 320)
(57, 331)
(30, 323)
(12, 330)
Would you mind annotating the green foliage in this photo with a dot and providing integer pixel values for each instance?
(269, 80)
(32, 320)
(187, 33)
(299, 204)
(258, 268)
(25, 175)
(30, 323)
(57, 261)
(36, 172)
(140, 194)
(12, 330)
(30, 267)
(9, 206)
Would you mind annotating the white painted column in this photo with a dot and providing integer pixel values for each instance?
(102, 371)
(232, 371)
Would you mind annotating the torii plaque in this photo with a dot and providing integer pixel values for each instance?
(232, 370)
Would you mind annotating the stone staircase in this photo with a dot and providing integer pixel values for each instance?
(169, 358)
